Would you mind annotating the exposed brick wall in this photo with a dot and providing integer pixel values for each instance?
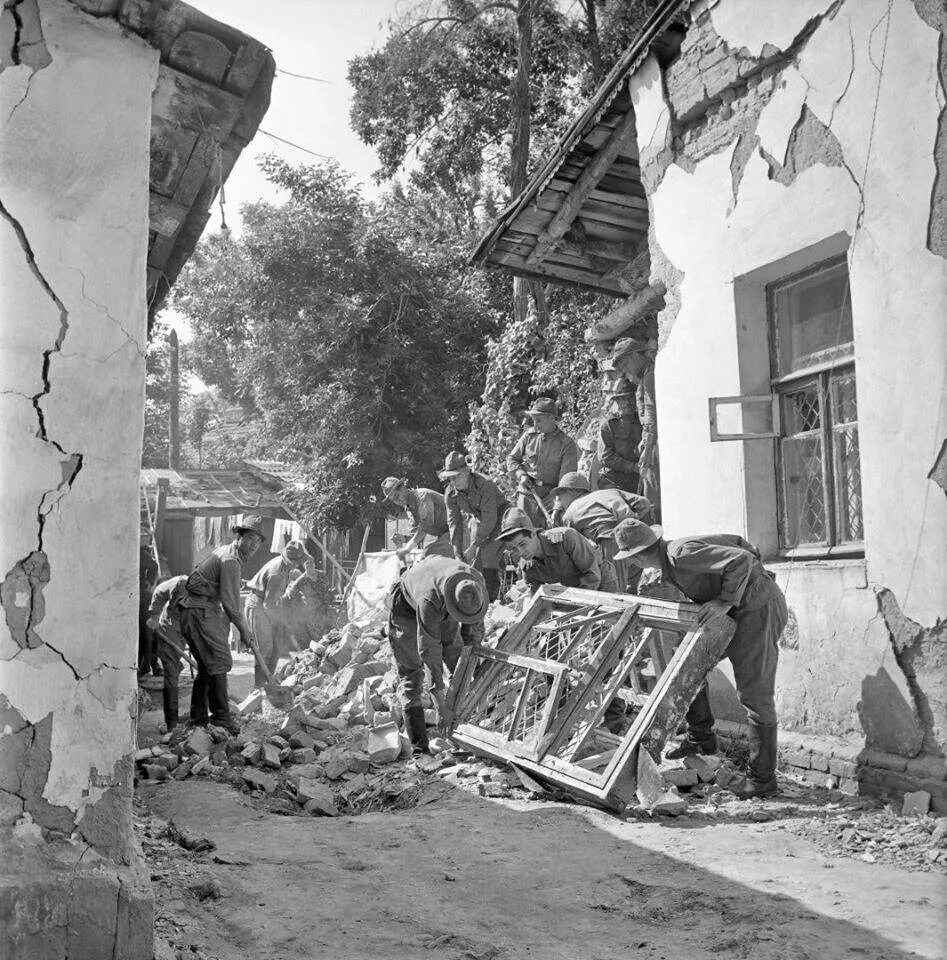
(838, 765)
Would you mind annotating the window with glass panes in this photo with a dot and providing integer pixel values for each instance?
(813, 373)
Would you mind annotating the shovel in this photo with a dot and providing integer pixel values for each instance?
(280, 697)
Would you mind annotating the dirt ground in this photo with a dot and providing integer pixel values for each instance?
(467, 877)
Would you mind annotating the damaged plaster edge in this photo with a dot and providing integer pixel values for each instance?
(906, 637)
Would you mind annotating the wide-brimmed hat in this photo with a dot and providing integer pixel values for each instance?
(390, 484)
(454, 463)
(544, 406)
(295, 550)
(465, 596)
(250, 524)
(575, 482)
(515, 521)
(632, 536)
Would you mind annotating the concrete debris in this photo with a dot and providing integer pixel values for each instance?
(918, 802)
(199, 742)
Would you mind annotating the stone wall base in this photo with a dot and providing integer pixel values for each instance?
(58, 902)
(836, 764)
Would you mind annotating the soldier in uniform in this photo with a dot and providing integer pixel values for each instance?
(557, 555)
(426, 605)
(619, 441)
(476, 497)
(595, 514)
(428, 513)
(210, 603)
(723, 573)
(541, 456)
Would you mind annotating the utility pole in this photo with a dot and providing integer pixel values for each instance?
(174, 405)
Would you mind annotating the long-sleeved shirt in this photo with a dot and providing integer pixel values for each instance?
(714, 567)
(423, 587)
(544, 456)
(271, 580)
(565, 557)
(167, 613)
(618, 441)
(428, 512)
(483, 502)
(596, 514)
(216, 580)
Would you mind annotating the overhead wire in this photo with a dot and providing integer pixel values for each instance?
(289, 143)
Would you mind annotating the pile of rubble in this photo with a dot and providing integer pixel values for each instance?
(338, 749)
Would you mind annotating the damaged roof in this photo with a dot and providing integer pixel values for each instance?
(215, 493)
(583, 216)
(212, 92)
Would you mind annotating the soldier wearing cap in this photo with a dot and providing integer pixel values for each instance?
(595, 514)
(723, 573)
(210, 603)
(472, 495)
(426, 605)
(619, 440)
(428, 513)
(557, 555)
(541, 456)
(269, 591)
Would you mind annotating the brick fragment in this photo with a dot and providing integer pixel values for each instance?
(259, 780)
(199, 742)
(270, 756)
(916, 803)
(305, 755)
(301, 740)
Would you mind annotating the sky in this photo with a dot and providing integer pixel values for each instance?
(315, 38)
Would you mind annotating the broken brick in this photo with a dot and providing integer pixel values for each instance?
(304, 755)
(199, 742)
(270, 756)
(918, 802)
(257, 779)
(301, 740)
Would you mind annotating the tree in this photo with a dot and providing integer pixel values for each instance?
(198, 416)
(350, 331)
(157, 399)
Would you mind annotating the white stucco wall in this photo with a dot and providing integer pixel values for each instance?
(899, 300)
(74, 175)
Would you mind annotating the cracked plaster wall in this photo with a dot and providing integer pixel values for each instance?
(75, 118)
(772, 160)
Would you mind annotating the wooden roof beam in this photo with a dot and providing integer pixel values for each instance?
(596, 168)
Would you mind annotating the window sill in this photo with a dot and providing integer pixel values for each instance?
(781, 564)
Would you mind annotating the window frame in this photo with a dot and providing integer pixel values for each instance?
(821, 374)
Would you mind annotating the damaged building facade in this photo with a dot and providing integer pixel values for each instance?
(765, 187)
(120, 120)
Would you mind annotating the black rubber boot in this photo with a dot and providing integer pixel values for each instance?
(416, 728)
(169, 701)
(700, 729)
(198, 712)
(220, 704)
(760, 780)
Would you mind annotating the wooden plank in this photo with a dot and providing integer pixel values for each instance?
(570, 624)
(602, 212)
(559, 189)
(596, 761)
(668, 614)
(517, 659)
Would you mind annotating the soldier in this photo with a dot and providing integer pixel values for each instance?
(164, 620)
(428, 513)
(269, 591)
(723, 573)
(595, 514)
(558, 555)
(426, 605)
(541, 456)
(210, 603)
(472, 495)
(619, 441)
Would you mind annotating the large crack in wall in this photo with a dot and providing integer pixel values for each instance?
(21, 592)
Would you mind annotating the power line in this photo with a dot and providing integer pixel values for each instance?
(289, 143)
(301, 76)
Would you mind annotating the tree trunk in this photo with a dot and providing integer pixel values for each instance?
(520, 110)
(174, 403)
(595, 47)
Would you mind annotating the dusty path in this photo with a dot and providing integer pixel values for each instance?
(466, 877)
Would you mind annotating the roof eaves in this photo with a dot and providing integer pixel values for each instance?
(607, 91)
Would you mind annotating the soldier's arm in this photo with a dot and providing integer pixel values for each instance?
(608, 456)
(455, 522)
(230, 595)
(732, 564)
(430, 618)
(515, 461)
(569, 462)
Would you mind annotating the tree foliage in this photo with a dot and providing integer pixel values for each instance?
(351, 330)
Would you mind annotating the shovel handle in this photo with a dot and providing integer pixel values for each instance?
(539, 504)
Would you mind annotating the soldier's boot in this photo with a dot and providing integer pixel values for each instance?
(220, 704)
(760, 780)
(416, 728)
(198, 712)
(700, 729)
